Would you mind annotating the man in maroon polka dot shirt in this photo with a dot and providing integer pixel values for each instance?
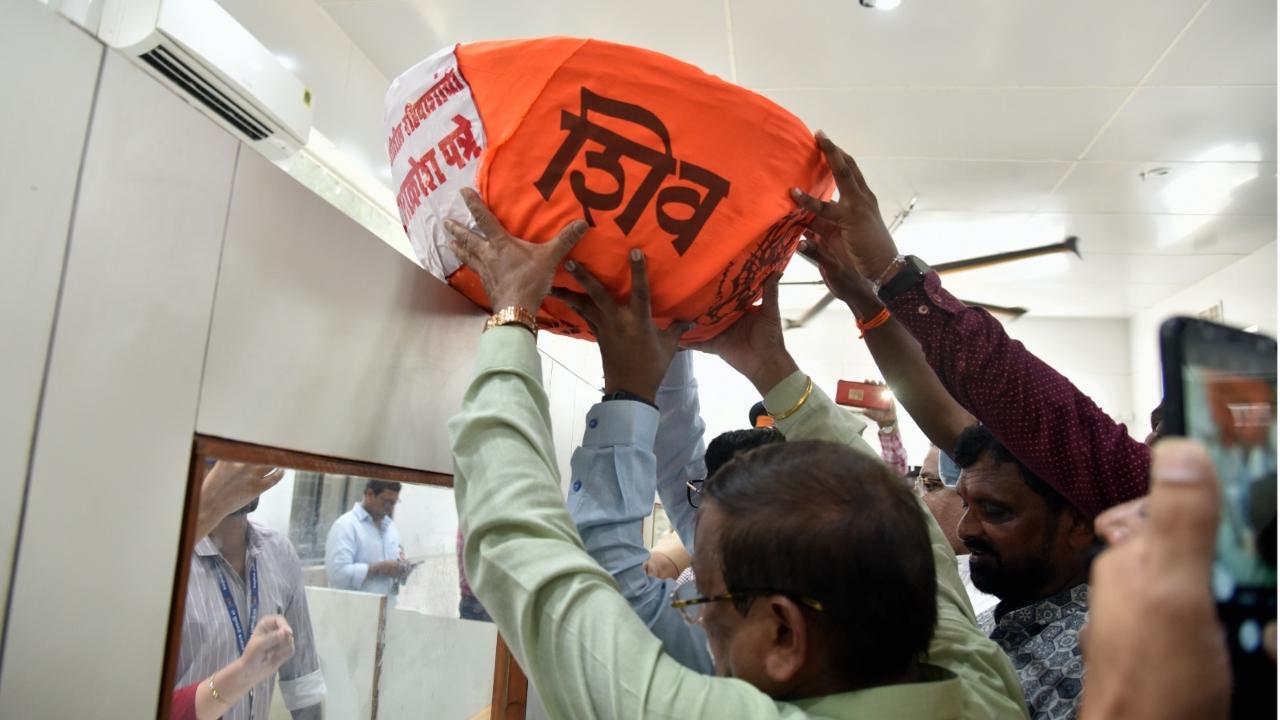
(1040, 458)
(1041, 417)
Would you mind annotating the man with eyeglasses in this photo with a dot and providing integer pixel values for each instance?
(783, 602)
(362, 551)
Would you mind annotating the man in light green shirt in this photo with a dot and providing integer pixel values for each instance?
(777, 649)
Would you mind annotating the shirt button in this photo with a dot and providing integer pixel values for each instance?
(593, 423)
(923, 309)
(577, 484)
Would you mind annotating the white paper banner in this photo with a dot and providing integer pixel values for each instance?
(435, 140)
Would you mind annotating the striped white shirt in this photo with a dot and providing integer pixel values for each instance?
(209, 638)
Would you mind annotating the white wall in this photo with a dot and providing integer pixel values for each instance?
(428, 521)
(46, 139)
(1247, 291)
(275, 506)
(326, 340)
(94, 573)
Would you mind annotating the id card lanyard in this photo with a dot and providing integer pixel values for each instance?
(242, 638)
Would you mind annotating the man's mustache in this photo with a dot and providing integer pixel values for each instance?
(980, 546)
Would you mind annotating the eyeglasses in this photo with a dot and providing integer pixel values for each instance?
(685, 598)
(693, 490)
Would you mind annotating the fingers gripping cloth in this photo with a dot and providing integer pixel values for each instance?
(653, 153)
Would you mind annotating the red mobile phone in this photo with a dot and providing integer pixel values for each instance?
(863, 395)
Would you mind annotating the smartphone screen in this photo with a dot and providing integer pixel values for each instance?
(1220, 386)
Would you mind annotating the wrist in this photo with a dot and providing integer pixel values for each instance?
(621, 392)
(233, 680)
(880, 264)
(864, 306)
(772, 372)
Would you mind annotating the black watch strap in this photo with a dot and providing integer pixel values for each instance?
(625, 395)
(911, 274)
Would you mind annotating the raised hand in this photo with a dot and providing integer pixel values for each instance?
(824, 245)
(854, 217)
(514, 271)
(884, 417)
(634, 352)
(229, 486)
(753, 345)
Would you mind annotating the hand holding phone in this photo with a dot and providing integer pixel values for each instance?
(1220, 389)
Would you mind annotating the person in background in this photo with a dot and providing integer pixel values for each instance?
(362, 551)
(268, 649)
(728, 445)
(469, 608)
(975, 372)
(667, 558)
(789, 535)
(947, 507)
(226, 487)
(1157, 425)
(240, 572)
(1053, 428)
(886, 420)
(1029, 547)
(229, 486)
(758, 417)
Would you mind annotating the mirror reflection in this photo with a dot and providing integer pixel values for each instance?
(318, 594)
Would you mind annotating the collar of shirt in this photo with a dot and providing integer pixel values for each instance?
(1046, 610)
(937, 694)
(363, 516)
(208, 548)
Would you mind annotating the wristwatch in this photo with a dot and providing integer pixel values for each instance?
(912, 273)
(513, 315)
(627, 395)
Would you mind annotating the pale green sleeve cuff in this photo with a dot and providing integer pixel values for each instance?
(819, 418)
(508, 347)
(787, 393)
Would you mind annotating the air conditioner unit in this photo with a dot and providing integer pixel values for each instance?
(200, 51)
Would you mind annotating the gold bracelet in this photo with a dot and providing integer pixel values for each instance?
(214, 692)
(513, 315)
(804, 397)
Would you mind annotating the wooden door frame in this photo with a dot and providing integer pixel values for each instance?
(510, 686)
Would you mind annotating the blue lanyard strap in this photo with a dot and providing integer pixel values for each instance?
(242, 638)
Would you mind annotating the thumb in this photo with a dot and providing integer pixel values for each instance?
(677, 329)
(568, 238)
(770, 303)
(1183, 507)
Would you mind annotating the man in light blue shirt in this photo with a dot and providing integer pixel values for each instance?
(363, 549)
(627, 446)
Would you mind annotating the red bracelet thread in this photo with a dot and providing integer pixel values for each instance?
(881, 318)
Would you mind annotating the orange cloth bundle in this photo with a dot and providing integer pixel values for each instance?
(652, 152)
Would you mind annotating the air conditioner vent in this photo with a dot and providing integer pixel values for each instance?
(217, 102)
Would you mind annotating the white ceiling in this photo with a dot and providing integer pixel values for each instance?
(1014, 123)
